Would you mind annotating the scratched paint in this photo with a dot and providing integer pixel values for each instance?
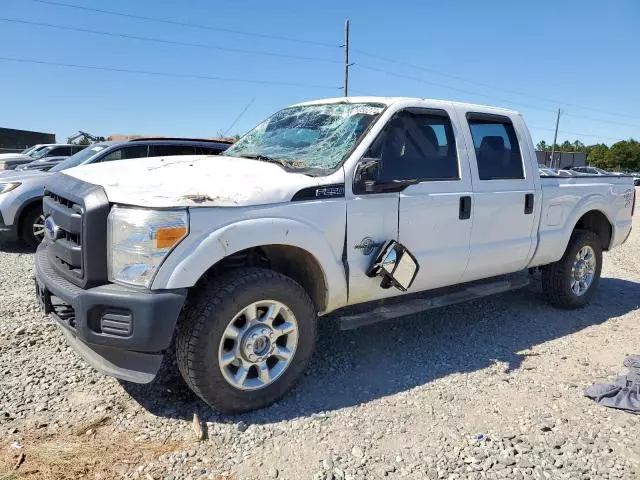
(194, 181)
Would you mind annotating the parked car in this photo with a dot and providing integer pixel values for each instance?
(21, 191)
(43, 164)
(547, 172)
(324, 205)
(590, 170)
(26, 151)
(10, 162)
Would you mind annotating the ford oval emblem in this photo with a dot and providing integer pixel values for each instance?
(51, 230)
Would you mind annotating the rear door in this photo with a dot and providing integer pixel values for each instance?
(505, 198)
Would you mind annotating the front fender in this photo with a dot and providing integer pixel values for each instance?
(201, 250)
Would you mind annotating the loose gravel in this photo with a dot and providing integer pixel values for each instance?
(488, 389)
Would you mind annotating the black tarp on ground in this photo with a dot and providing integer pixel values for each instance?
(624, 394)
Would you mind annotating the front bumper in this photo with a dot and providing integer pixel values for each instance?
(7, 232)
(120, 331)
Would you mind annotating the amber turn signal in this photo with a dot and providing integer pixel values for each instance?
(167, 237)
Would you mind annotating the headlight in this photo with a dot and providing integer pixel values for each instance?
(139, 240)
(7, 187)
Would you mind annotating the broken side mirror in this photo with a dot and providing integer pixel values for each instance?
(396, 265)
(367, 173)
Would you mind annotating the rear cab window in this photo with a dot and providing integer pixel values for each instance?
(496, 146)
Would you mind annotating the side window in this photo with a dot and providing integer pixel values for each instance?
(59, 152)
(497, 149)
(137, 151)
(170, 150)
(416, 146)
(208, 150)
(77, 149)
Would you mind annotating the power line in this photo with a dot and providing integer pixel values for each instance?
(535, 127)
(239, 116)
(449, 87)
(166, 74)
(187, 24)
(168, 42)
(470, 92)
(448, 75)
(603, 121)
(483, 84)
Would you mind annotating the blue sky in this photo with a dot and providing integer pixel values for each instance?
(581, 56)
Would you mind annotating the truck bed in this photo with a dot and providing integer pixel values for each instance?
(564, 201)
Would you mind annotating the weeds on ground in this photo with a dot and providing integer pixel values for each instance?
(96, 453)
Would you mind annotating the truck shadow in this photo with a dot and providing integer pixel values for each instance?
(15, 246)
(358, 366)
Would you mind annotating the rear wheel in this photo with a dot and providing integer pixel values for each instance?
(32, 226)
(246, 339)
(572, 281)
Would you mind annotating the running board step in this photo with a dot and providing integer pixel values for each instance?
(409, 307)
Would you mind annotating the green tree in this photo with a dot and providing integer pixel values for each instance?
(578, 146)
(542, 146)
(625, 155)
(599, 155)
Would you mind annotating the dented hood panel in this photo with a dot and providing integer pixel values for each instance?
(193, 181)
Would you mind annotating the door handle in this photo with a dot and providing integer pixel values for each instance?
(528, 203)
(465, 208)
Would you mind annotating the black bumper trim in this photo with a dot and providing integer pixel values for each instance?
(123, 364)
(153, 320)
(8, 232)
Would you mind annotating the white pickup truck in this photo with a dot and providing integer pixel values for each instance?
(324, 205)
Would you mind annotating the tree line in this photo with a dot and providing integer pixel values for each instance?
(623, 156)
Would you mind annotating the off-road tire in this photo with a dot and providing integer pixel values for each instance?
(556, 276)
(26, 226)
(205, 318)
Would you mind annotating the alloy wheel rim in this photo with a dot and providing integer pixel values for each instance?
(583, 271)
(258, 345)
(38, 228)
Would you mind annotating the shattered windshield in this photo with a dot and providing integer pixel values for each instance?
(308, 136)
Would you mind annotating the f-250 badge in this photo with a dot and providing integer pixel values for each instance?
(367, 245)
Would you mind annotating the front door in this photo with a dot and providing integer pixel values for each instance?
(428, 209)
(435, 214)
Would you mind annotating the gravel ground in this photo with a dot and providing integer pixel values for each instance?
(488, 389)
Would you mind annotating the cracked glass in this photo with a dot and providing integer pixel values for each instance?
(310, 137)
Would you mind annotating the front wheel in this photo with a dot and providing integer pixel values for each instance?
(245, 339)
(32, 227)
(572, 281)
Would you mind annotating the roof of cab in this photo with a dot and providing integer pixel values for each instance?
(391, 100)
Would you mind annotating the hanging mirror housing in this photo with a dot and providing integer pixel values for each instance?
(396, 265)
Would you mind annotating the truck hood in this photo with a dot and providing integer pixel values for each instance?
(12, 156)
(194, 181)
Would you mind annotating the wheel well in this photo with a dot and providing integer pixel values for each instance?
(29, 207)
(293, 262)
(595, 221)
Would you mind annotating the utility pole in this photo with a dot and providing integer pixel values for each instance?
(346, 58)
(555, 138)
